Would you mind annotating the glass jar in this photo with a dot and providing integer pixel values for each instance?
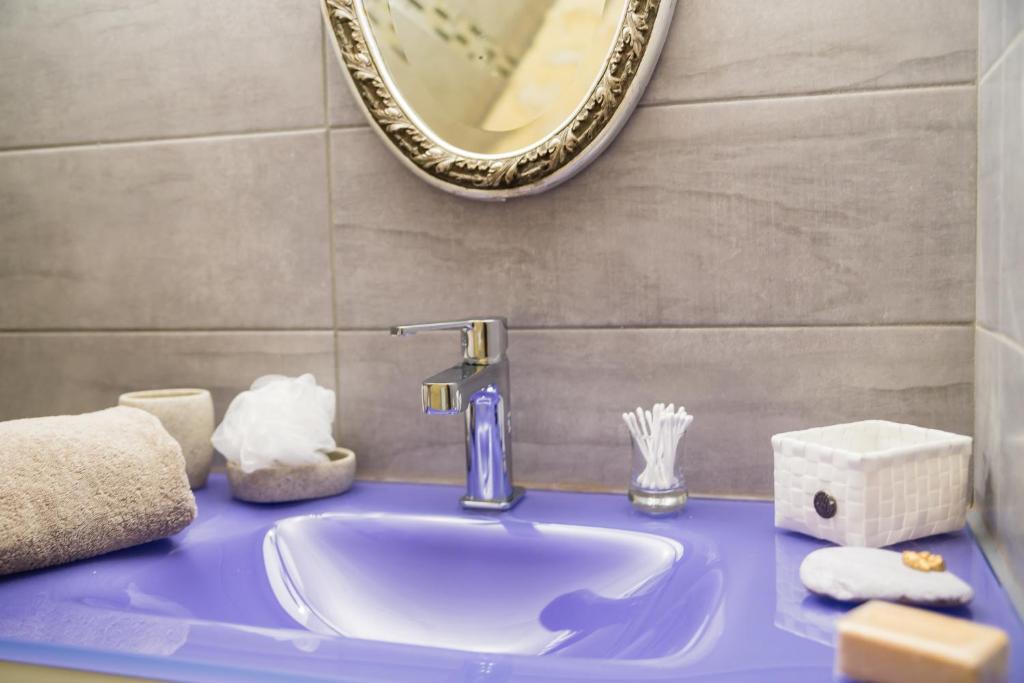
(657, 485)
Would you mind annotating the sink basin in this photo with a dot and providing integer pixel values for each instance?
(476, 583)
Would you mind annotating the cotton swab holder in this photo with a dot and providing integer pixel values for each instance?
(657, 485)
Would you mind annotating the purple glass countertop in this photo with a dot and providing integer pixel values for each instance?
(385, 582)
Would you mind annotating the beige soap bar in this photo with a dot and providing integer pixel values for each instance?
(887, 643)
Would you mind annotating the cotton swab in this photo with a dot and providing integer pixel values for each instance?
(657, 433)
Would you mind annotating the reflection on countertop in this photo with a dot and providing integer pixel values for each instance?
(813, 617)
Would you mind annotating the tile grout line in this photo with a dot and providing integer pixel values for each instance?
(977, 243)
(614, 328)
(329, 183)
(168, 331)
(965, 324)
(141, 142)
(538, 485)
(810, 94)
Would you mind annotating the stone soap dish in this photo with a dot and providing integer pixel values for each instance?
(283, 484)
(860, 574)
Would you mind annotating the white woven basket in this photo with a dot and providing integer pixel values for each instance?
(871, 483)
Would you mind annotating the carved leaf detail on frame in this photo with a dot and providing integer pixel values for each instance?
(512, 171)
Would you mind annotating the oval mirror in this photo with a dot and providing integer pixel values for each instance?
(497, 98)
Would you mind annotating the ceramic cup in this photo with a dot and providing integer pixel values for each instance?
(187, 415)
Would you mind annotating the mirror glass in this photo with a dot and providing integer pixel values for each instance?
(489, 76)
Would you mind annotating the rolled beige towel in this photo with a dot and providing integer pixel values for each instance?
(76, 486)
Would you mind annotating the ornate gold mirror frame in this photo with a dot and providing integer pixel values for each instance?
(555, 159)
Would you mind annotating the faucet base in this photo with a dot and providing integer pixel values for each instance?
(483, 504)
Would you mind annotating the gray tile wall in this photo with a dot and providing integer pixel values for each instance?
(783, 236)
(999, 335)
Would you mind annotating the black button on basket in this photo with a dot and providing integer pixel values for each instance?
(824, 504)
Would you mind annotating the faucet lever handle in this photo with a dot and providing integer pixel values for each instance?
(484, 340)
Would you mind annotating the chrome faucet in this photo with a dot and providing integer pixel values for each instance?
(479, 387)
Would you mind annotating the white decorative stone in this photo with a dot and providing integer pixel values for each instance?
(877, 482)
(859, 574)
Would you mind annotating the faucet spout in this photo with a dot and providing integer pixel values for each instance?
(446, 393)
